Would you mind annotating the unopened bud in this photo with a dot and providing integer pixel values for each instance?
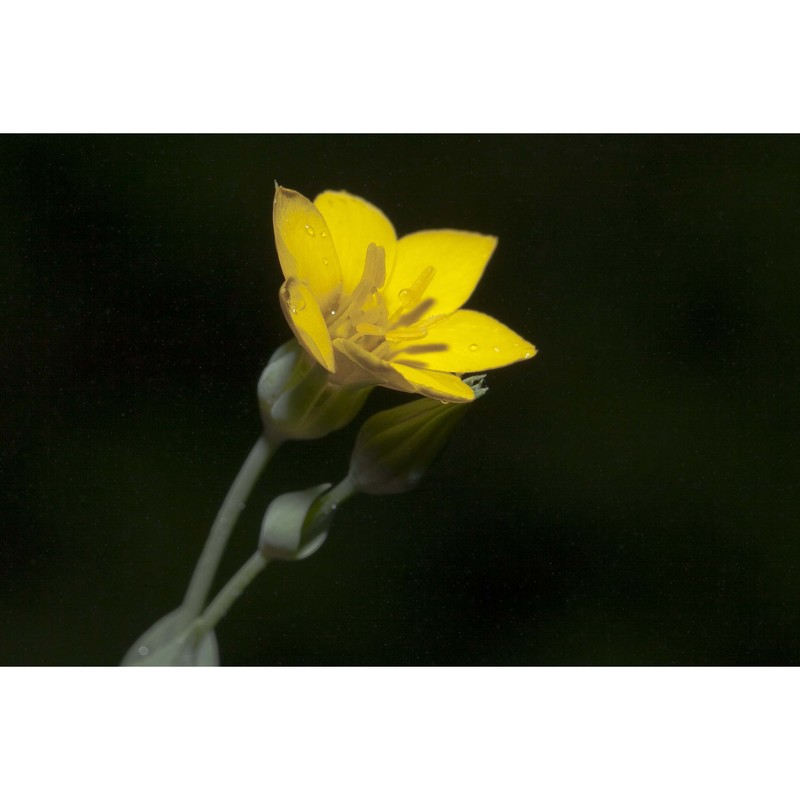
(284, 532)
(297, 399)
(394, 448)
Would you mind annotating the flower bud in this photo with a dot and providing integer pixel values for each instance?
(394, 448)
(284, 533)
(298, 401)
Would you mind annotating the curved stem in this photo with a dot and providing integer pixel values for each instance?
(226, 518)
(233, 589)
(228, 595)
(334, 497)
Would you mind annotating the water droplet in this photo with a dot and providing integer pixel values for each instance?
(473, 348)
(293, 297)
(496, 349)
(143, 651)
(309, 230)
(325, 261)
(323, 234)
(402, 294)
(528, 354)
(333, 312)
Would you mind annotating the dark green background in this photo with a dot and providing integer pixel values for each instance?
(627, 497)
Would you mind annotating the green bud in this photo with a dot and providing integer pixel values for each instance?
(297, 399)
(284, 533)
(394, 448)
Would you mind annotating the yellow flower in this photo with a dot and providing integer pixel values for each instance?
(373, 309)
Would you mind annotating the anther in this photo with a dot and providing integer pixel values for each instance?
(368, 329)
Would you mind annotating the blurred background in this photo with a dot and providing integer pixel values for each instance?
(627, 497)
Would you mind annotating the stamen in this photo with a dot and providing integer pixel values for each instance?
(374, 267)
(412, 296)
(368, 329)
(429, 322)
(406, 334)
(372, 279)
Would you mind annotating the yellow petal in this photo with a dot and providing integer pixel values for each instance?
(354, 224)
(305, 318)
(438, 385)
(305, 245)
(466, 341)
(368, 368)
(458, 259)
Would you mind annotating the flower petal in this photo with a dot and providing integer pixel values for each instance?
(458, 258)
(368, 368)
(354, 224)
(305, 245)
(438, 385)
(466, 341)
(305, 318)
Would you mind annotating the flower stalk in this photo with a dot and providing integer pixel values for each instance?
(228, 595)
(226, 519)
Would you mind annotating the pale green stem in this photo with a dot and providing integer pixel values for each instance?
(228, 595)
(343, 490)
(326, 504)
(233, 589)
(226, 518)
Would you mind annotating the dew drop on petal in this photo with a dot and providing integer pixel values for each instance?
(309, 230)
(402, 294)
(322, 234)
(528, 354)
(473, 348)
(325, 261)
(293, 298)
(496, 349)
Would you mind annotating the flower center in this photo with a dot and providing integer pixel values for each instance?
(364, 319)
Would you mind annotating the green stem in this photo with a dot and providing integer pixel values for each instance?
(324, 506)
(226, 518)
(343, 490)
(233, 589)
(228, 595)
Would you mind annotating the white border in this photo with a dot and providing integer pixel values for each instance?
(399, 733)
(410, 67)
